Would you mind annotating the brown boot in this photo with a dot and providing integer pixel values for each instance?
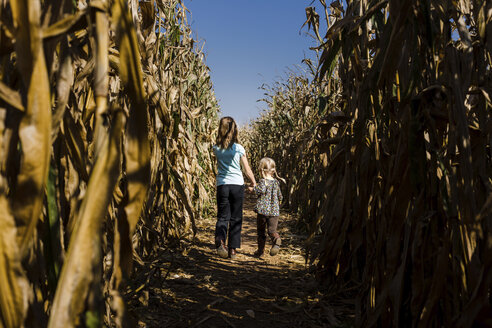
(232, 253)
(276, 246)
(261, 248)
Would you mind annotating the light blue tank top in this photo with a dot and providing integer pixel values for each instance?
(229, 167)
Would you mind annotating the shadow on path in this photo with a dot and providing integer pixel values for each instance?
(196, 288)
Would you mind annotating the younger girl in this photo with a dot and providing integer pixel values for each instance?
(268, 206)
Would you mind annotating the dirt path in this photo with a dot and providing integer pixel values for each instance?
(196, 288)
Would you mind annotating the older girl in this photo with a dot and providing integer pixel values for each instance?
(230, 187)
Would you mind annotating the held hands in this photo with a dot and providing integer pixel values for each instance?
(251, 188)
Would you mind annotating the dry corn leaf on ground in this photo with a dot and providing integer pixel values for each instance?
(192, 287)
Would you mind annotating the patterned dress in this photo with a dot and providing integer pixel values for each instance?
(269, 197)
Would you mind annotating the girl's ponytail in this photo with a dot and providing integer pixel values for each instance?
(279, 178)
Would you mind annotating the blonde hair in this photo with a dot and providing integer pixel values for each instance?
(267, 166)
(227, 134)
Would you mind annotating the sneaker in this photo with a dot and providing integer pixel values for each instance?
(232, 253)
(274, 250)
(222, 251)
(258, 254)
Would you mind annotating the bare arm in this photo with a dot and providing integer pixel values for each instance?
(247, 170)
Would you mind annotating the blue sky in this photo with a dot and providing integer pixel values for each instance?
(248, 43)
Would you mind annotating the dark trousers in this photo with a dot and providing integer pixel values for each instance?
(262, 223)
(229, 215)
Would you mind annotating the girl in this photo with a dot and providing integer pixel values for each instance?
(230, 187)
(268, 206)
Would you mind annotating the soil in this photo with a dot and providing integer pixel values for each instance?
(193, 287)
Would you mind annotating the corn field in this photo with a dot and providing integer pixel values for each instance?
(387, 153)
(107, 117)
(107, 111)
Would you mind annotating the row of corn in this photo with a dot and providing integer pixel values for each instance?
(388, 155)
(107, 112)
